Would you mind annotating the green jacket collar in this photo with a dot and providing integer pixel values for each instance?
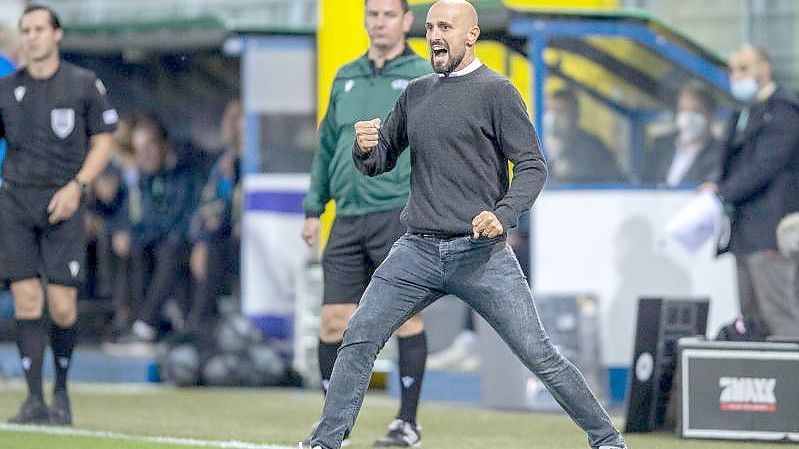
(395, 62)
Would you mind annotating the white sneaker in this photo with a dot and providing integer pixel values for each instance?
(144, 330)
(461, 354)
(401, 434)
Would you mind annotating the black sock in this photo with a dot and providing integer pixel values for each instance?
(31, 340)
(327, 357)
(62, 340)
(412, 357)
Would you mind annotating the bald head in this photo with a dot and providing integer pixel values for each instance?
(452, 31)
(757, 52)
(461, 9)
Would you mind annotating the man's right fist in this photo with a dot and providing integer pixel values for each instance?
(367, 134)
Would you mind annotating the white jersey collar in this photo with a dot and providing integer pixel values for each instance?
(474, 65)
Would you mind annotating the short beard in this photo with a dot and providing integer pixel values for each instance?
(453, 62)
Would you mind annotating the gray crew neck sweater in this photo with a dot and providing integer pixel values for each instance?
(462, 132)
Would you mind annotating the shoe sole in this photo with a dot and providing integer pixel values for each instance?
(305, 445)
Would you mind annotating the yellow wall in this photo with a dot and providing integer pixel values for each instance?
(339, 39)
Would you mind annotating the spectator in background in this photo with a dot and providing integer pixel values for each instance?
(117, 203)
(759, 185)
(159, 249)
(215, 245)
(9, 57)
(575, 155)
(690, 155)
(10, 54)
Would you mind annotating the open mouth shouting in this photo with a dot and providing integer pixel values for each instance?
(439, 54)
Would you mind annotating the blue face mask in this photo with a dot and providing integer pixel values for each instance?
(744, 90)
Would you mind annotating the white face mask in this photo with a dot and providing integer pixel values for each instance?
(744, 89)
(548, 121)
(691, 124)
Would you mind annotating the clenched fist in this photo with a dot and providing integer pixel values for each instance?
(486, 224)
(367, 134)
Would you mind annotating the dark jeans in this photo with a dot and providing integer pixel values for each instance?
(222, 274)
(484, 273)
(159, 270)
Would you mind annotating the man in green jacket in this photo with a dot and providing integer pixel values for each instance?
(367, 209)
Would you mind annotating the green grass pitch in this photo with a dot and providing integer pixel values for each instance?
(163, 417)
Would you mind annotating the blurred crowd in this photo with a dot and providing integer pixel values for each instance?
(164, 229)
(684, 153)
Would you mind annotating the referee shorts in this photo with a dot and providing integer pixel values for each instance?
(356, 247)
(31, 247)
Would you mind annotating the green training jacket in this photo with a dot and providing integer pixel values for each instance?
(360, 93)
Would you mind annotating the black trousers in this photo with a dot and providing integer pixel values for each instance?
(158, 271)
(222, 278)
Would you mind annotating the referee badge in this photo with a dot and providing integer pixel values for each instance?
(19, 93)
(63, 122)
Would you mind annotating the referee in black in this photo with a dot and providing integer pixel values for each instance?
(58, 124)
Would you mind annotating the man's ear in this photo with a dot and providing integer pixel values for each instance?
(472, 35)
(407, 21)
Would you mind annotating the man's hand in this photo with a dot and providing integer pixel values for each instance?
(310, 230)
(64, 202)
(198, 261)
(106, 188)
(367, 134)
(120, 243)
(487, 224)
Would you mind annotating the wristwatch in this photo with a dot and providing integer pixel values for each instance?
(84, 186)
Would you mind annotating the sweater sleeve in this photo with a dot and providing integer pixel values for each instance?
(518, 142)
(393, 141)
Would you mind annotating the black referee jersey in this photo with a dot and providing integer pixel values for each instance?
(48, 123)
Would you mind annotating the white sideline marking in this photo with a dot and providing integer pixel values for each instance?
(49, 430)
(100, 387)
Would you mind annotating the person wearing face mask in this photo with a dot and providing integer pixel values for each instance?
(575, 155)
(759, 185)
(691, 154)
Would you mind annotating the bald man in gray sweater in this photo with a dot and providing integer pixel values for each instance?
(463, 123)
